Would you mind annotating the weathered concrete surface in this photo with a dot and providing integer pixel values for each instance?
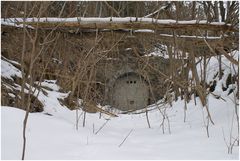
(130, 92)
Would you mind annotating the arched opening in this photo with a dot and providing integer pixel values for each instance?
(130, 92)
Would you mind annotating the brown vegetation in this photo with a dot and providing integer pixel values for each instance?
(73, 56)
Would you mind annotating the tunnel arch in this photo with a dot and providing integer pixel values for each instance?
(128, 90)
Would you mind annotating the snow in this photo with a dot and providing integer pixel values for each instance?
(11, 95)
(160, 51)
(50, 84)
(9, 23)
(160, 54)
(51, 137)
(144, 30)
(56, 61)
(13, 21)
(8, 70)
(189, 36)
(11, 61)
(128, 49)
(213, 67)
(50, 101)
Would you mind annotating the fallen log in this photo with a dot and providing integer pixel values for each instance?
(116, 23)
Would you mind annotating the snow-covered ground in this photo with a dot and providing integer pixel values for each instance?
(55, 136)
(8, 70)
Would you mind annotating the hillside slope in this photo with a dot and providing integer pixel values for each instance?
(52, 134)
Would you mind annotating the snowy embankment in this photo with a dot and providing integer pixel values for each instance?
(56, 137)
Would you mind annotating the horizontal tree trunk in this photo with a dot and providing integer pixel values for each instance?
(120, 23)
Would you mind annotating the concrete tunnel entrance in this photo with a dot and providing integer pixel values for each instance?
(130, 92)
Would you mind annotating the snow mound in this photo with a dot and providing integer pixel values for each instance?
(9, 71)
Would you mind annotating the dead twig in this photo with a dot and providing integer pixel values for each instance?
(101, 127)
(125, 138)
